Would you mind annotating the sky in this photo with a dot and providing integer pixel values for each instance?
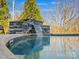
(43, 4)
(46, 7)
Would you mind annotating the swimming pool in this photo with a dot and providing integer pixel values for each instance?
(45, 47)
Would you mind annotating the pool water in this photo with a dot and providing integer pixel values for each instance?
(45, 47)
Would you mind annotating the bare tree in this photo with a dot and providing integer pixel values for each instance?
(65, 15)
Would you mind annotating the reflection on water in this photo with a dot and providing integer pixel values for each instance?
(54, 47)
(65, 47)
(30, 46)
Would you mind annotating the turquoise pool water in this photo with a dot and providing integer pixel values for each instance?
(45, 47)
